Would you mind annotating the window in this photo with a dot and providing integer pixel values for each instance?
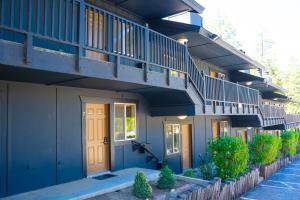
(224, 130)
(172, 138)
(125, 121)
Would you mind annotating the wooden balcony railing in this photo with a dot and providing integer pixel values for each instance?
(97, 33)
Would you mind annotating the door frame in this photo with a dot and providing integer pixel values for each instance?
(111, 151)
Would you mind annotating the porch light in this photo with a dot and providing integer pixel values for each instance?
(183, 40)
(248, 83)
(275, 99)
(182, 117)
(249, 128)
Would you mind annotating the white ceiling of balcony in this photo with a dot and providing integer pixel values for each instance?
(156, 9)
(217, 51)
(207, 46)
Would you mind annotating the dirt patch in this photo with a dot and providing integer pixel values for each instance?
(126, 194)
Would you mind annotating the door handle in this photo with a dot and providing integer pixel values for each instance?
(105, 140)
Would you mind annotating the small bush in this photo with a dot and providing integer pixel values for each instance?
(206, 167)
(190, 173)
(264, 149)
(141, 187)
(289, 143)
(230, 155)
(166, 178)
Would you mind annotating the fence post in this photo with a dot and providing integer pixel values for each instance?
(81, 37)
(147, 53)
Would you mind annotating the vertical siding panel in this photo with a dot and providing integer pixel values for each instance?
(52, 18)
(67, 20)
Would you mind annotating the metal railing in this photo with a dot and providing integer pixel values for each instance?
(292, 118)
(92, 29)
(272, 111)
(225, 91)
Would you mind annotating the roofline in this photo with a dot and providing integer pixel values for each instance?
(194, 5)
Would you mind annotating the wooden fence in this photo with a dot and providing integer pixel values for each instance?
(268, 170)
(215, 190)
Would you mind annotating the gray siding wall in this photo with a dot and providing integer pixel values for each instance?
(41, 135)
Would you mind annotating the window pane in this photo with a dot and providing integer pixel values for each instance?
(176, 138)
(169, 139)
(172, 138)
(130, 122)
(119, 122)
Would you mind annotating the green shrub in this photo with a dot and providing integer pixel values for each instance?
(206, 167)
(190, 173)
(289, 143)
(298, 143)
(141, 187)
(264, 148)
(230, 155)
(166, 178)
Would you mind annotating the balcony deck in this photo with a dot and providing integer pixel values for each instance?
(86, 46)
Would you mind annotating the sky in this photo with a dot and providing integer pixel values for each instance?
(278, 20)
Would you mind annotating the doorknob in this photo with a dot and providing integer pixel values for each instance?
(105, 140)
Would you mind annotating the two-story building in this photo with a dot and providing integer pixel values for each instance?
(95, 86)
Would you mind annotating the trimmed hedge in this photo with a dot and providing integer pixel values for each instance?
(289, 143)
(264, 148)
(230, 155)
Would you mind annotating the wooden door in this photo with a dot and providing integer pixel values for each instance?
(186, 146)
(215, 129)
(245, 136)
(97, 147)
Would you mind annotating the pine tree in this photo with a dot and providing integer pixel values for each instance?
(166, 178)
(141, 188)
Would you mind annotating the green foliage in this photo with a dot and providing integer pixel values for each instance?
(264, 148)
(190, 173)
(230, 155)
(166, 178)
(141, 187)
(298, 143)
(206, 167)
(289, 143)
(130, 124)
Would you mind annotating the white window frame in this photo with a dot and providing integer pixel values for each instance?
(179, 138)
(124, 123)
(222, 128)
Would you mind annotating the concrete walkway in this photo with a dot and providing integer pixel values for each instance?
(86, 188)
(284, 185)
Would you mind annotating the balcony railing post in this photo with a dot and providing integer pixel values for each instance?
(28, 48)
(81, 37)
(238, 97)
(147, 53)
(186, 65)
(223, 89)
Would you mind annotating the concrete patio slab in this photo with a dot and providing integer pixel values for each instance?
(88, 187)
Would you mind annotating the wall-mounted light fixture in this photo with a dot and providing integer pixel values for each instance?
(275, 99)
(181, 117)
(183, 40)
(248, 83)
